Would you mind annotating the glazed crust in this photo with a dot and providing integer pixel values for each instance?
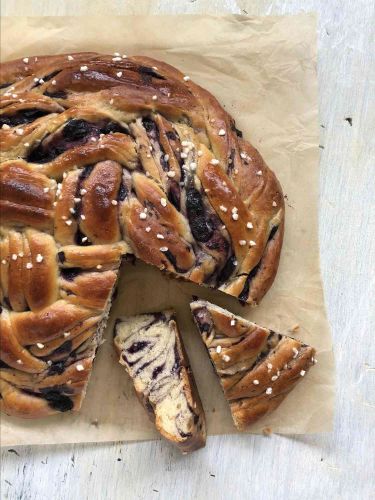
(256, 366)
(103, 156)
(151, 349)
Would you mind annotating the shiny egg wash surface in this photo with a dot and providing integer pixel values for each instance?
(257, 367)
(104, 156)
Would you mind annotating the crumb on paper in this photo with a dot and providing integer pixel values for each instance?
(267, 431)
(295, 328)
(95, 422)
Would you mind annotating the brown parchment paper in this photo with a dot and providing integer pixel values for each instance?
(263, 70)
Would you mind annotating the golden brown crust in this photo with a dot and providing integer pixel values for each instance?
(23, 200)
(101, 216)
(257, 367)
(103, 156)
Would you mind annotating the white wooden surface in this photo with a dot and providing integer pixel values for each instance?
(338, 465)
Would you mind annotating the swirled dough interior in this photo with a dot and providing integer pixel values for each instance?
(151, 350)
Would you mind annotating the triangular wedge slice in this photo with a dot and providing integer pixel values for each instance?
(151, 349)
(256, 366)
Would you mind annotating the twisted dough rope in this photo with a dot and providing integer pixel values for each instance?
(103, 156)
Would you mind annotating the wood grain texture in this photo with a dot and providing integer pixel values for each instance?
(338, 465)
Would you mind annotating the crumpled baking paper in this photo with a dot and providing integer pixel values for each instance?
(263, 70)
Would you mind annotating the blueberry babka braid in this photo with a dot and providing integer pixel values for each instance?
(103, 156)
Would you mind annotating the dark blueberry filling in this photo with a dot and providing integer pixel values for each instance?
(63, 388)
(148, 73)
(3, 364)
(227, 270)
(50, 75)
(217, 240)
(141, 368)
(80, 238)
(273, 233)
(154, 135)
(157, 370)
(112, 127)
(231, 161)
(174, 194)
(55, 399)
(149, 125)
(172, 136)
(75, 130)
(24, 116)
(66, 347)
(122, 192)
(175, 145)
(243, 296)
(184, 434)
(61, 257)
(163, 162)
(58, 94)
(85, 173)
(245, 291)
(75, 133)
(70, 273)
(176, 368)
(196, 214)
(44, 154)
(177, 364)
(125, 358)
(6, 302)
(56, 368)
(137, 346)
(5, 85)
(58, 401)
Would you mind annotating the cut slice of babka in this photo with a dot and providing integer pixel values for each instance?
(256, 366)
(152, 352)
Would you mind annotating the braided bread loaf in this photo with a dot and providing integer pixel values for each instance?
(103, 157)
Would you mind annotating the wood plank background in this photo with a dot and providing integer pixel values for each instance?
(338, 465)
